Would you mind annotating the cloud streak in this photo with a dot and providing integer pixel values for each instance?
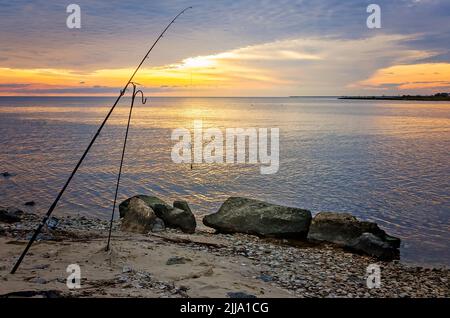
(287, 47)
(298, 66)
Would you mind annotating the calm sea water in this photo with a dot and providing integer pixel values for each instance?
(380, 160)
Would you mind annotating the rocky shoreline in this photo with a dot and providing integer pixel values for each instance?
(143, 214)
(178, 262)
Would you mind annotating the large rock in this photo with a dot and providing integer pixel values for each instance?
(151, 201)
(372, 245)
(10, 215)
(241, 215)
(346, 230)
(177, 218)
(139, 218)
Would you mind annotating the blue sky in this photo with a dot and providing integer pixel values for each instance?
(115, 34)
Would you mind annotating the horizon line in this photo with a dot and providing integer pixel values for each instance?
(162, 96)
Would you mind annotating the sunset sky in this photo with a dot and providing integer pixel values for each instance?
(226, 48)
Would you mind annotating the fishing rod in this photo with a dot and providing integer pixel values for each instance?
(58, 197)
(144, 100)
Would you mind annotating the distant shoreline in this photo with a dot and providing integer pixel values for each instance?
(405, 97)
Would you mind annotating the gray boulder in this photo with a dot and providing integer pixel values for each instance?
(176, 218)
(345, 230)
(151, 201)
(139, 218)
(372, 245)
(10, 215)
(241, 215)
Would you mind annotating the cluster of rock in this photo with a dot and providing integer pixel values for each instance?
(143, 214)
(241, 215)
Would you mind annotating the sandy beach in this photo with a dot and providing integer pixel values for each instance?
(204, 264)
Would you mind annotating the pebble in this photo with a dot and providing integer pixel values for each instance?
(265, 278)
(127, 269)
(176, 260)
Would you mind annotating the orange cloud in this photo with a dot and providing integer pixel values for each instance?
(415, 76)
(195, 74)
(305, 66)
